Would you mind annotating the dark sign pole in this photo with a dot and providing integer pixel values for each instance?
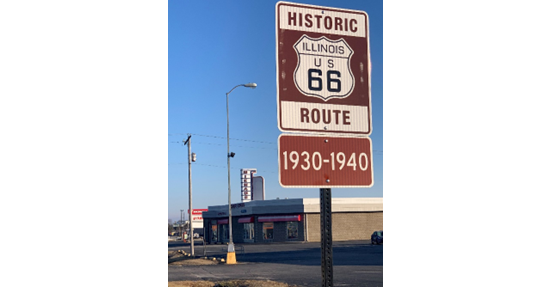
(326, 236)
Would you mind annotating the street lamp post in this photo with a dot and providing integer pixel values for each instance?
(231, 259)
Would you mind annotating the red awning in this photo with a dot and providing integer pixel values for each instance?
(223, 221)
(246, 220)
(279, 218)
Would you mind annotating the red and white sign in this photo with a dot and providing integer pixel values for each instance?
(196, 217)
(246, 183)
(323, 70)
(198, 211)
(325, 161)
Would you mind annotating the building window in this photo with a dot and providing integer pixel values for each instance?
(249, 232)
(268, 230)
(292, 230)
(214, 233)
(225, 232)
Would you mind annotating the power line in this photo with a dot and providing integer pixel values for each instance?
(378, 152)
(219, 137)
(232, 145)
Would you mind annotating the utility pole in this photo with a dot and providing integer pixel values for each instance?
(189, 159)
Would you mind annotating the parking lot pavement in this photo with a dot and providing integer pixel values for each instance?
(355, 263)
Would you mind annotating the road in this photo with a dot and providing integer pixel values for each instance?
(355, 263)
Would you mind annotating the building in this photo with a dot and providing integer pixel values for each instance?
(296, 219)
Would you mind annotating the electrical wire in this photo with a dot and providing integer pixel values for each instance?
(219, 137)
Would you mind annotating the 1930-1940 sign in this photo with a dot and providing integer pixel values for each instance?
(323, 70)
(325, 161)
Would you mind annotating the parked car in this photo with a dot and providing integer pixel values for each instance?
(376, 237)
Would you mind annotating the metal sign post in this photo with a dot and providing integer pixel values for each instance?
(326, 236)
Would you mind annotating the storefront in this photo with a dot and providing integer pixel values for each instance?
(283, 220)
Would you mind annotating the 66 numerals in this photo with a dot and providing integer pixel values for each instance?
(337, 160)
(319, 81)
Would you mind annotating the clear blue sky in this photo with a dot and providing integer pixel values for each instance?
(214, 46)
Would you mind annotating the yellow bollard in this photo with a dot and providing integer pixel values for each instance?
(231, 259)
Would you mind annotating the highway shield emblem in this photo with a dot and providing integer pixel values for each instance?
(323, 68)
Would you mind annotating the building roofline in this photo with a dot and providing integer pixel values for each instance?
(295, 205)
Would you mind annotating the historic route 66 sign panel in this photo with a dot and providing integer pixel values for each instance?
(323, 70)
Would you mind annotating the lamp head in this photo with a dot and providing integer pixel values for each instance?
(251, 85)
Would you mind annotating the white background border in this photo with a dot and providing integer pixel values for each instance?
(83, 155)
(465, 143)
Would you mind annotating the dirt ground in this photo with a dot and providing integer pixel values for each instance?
(195, 262)
(230, 283)
(184, 260)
